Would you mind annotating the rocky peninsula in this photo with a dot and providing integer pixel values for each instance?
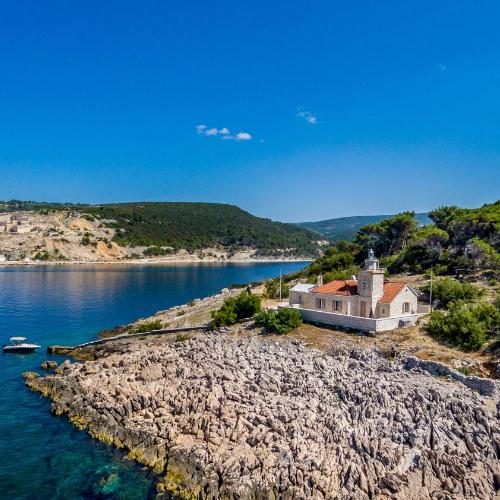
(241, 414)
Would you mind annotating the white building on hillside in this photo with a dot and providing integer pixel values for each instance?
(367, 303)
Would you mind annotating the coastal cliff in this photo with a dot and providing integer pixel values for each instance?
(239, 414)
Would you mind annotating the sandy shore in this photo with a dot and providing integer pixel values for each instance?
(158, 261)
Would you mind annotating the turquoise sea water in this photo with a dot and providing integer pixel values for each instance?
(44, 457)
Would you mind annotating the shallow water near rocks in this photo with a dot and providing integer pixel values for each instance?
(42, 456)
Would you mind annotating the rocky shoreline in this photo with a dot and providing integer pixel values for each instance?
(240, 414)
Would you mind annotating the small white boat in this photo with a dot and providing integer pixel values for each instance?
(19, 345)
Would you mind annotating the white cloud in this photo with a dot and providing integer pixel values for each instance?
(240, 136)
(243, 136)
(224, 132)
(307, 116)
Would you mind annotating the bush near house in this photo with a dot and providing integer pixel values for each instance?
(448, 290)
(467, 326)
(272, 289)
(281, 322)
(245, 305)
(338, 262)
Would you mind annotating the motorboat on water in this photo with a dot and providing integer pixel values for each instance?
(19, 345)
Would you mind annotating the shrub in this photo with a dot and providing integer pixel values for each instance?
(467, 325)
(149, 326)
(465, 370)
(483, 255)
(157, 251)
(85, 241)
(226, 315)
(245, 305)
(182, 337)
(448, 290)
(272, 289)
(42, 255)
(281, 322)
(496, 302)
(343, 274)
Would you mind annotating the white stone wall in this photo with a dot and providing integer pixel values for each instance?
(423, 308)
(356, 322)
(405, 295)
(349, 303)
(351, 306)
(375, 283)
(302, 298)
(383, 310)
(294, 297)
(386, 324)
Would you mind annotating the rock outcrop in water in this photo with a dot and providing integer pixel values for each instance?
(245, 416)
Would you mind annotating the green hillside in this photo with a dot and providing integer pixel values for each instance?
(345, 228)
(189, 225)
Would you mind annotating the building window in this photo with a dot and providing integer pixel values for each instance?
(406, 307)
(320, 303)
(337, 305)
(364, 285)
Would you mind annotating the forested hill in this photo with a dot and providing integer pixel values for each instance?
(191, 226)
(345, 228)
(460, 241)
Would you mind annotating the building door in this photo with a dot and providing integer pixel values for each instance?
(362, 309)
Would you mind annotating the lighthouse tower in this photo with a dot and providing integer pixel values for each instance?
(370, 285)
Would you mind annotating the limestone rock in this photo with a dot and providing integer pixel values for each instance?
(49, 365)
(246, 417)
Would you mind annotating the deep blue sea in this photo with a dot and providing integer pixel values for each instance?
(45, 457)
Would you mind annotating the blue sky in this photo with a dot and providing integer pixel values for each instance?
(305, 110)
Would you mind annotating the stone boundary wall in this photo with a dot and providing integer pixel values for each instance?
(142, 334)
(423, 308)
(354, 322)
(485, 386)
(384, 324)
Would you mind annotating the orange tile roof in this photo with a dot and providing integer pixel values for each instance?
(350, 287)
(391, 289)
(338, 287)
